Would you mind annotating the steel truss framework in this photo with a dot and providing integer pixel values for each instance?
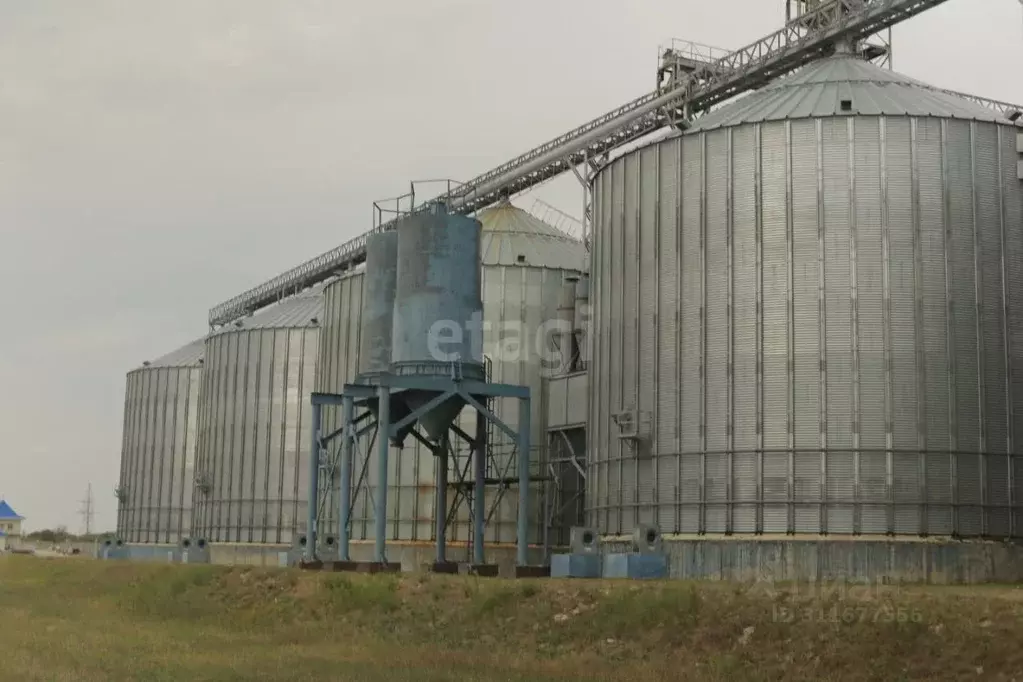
(810, 36)
(375, 400)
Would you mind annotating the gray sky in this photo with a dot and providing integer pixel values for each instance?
(158, 157)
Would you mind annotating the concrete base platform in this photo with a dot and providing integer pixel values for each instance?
(377, 567)
(483, 570)
(635, 566)
(194, 556)
(575, 566)
(446, 567)
(411, 555)
(162, 554)
(532, 571)
(339, 566)
(763, 558)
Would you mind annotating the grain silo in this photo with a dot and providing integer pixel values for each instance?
(808, 317)
(339, 346)
(254, 424)
(524, 264)
(161, 406)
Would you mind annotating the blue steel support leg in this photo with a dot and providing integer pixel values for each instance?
(441, 514)
(479, 490)
(345, 504)
(524, 428)
(314, 476)
(383, 444)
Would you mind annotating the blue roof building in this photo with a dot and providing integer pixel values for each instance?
(10, 525)
(7, 512)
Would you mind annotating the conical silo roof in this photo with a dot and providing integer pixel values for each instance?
(511, 236)
(844, 85)
(302, 310)
(189, 355)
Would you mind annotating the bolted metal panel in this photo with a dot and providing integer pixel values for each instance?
(745, 283)
(1012, 267)
(255, 428)
(991, 330)
(159, 446)
(962, 288)
(646, 321)
(846, 327)
(667, 324)
(716, 330)
(628, 463)
(438, 281)
(378, 302)
(904, 341)
(808, 177)
(930, 169)
(437, 306)
(339, 361)
(775, 268)
(691, 337)
(872, 328)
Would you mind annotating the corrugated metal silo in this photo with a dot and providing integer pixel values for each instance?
(808, 317)
(255, 421)
(339, 347)
(525, 263)
(161, 405)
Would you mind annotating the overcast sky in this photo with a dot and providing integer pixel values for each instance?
(159, 157)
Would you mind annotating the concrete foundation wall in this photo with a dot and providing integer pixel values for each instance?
(412, 556)
(162, 554)
(785, 559)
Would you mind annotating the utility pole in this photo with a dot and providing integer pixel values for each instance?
(87, 511)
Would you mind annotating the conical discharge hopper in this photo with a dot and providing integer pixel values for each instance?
(378, 318)
(438, 311)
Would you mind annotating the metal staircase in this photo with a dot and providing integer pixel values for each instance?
(812, 35)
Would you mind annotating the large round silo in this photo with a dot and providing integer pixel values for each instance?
(255, 423)
(161, 406)
(808, 315)
(525, 263)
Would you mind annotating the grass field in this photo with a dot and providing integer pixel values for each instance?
(69, 619)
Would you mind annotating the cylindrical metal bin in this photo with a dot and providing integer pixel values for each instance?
(339, 349)
(524, 262)
(807, 315)
(378, 303)
(161, 406)
(255, 422)
(438, 314)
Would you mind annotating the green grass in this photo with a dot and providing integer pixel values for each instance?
(69, 619)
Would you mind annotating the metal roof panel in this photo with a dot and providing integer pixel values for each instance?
(819, 89)
(509, 232)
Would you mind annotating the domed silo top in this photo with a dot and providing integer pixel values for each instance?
(302, 310)
(844, 85)
(189, 355)
(511, 236)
